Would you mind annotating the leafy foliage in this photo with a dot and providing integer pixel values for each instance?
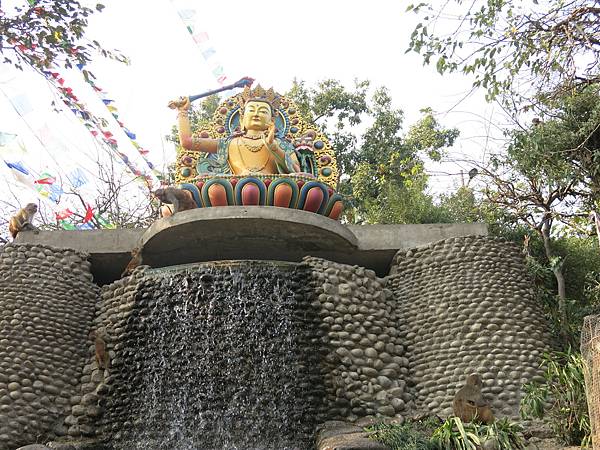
(383, 175)
(548, 181)
(453, 434)
(403, 436)
(564, 392)
(553, 46)
(47, 32)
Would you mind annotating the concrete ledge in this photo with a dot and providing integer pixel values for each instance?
(237, 232)
(405, 236)
(109, 250)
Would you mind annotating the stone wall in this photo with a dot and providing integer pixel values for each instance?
(333, 341)
(364, 361)
(465, 305)
(112, 313)
(47, 302)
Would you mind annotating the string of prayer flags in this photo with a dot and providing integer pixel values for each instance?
(95, 125)
(109, 104)
(188, 15)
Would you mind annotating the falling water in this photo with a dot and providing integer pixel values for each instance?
(220, 357)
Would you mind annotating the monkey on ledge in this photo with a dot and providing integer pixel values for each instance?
(22, 221)
(180, 199)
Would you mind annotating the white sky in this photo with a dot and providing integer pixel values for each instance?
(271, 41)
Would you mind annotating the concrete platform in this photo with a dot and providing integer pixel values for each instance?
(237, 232)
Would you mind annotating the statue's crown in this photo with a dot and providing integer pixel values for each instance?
(271, 97)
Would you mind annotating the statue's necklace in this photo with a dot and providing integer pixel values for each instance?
(254, 169)
(254, 148)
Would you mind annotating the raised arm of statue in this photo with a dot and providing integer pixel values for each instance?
(186, 139)
(284, 160)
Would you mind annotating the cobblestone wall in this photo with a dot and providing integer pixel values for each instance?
(364, 361)
(347, 332)
(363, 345)
(47, 302)
(112, 313)
(465, 306)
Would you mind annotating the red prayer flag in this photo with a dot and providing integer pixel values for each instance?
(64, 214)
(89, 213)
(47, 180)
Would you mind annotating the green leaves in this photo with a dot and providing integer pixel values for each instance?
(382, 169)
(453, 434)
(543, 46)
(564, 390)
(47, 33)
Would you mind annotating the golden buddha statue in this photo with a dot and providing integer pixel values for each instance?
(255, 149)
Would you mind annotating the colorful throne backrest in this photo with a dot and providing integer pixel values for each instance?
(290, 126)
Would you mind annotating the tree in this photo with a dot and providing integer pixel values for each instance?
(382, 171)
(551, 47)
(548, 181)
(47, 32)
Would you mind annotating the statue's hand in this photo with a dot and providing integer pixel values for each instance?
(271, 133)
(182, 104)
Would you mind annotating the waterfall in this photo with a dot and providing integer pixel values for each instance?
(220, 357)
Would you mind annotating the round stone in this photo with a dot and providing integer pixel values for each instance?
(186, 172)
(319, 145)
(294, 130)
(326, 171)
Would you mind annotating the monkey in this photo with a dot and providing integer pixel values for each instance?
(22, 220)
(180, 199)
(136, 260)
(99, 338)
(469, 405)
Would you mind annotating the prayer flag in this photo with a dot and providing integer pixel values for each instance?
(89, 213)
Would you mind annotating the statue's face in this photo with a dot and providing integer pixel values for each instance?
(257, 115)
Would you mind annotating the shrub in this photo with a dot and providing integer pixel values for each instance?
(453, 434)
(561, 400)
(400, 437)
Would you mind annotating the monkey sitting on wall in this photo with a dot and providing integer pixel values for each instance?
(469, 405)
(180, 199)
(99, 338)
(22, 221)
